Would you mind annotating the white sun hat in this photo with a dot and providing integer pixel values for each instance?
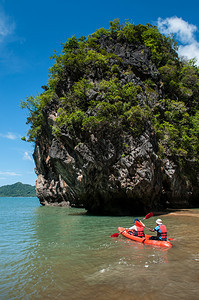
(159, 221)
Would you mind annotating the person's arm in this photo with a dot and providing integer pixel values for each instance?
(151, 229)
(157, 228)
(132, 228)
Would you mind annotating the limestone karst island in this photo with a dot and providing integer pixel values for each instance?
(116, 126)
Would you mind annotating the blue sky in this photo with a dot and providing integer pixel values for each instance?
(30, 31)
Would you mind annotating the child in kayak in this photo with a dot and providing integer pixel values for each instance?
(137, 230)
(161, 231)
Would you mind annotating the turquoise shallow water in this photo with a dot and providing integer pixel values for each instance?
(62, 253)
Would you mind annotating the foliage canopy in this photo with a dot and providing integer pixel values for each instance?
(17, 190)
(86, 81)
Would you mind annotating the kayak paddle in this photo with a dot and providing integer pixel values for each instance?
(138, 223)
(149, 215)
(116, 234)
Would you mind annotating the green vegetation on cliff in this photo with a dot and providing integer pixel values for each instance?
(93, 86)
(17, 190)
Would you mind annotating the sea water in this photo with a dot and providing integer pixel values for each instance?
(63, 253)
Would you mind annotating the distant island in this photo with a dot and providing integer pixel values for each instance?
(17, 190)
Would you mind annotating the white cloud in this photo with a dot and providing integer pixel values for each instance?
(6, 26)
(183, 30)
(190, 51)
(27, 156)
(10, 61)
(184, 33)
(9, 173)
(9, 135)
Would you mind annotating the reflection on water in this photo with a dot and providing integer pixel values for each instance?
(62, 253)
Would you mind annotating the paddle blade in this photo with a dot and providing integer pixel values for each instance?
(137, 223)
(115, 235)
(148, 216)
(170, 239)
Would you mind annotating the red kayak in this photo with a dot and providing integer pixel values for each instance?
(144, 240)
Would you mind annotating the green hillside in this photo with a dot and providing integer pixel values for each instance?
(17, 190)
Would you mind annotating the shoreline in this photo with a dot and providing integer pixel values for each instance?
(184, 212)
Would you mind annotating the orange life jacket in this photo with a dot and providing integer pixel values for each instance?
(163, 233)
(139, 232)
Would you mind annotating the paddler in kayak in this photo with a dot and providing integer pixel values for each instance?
(161, 231)
(137, 230)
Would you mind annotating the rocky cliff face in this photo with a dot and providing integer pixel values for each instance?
(111, 171)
